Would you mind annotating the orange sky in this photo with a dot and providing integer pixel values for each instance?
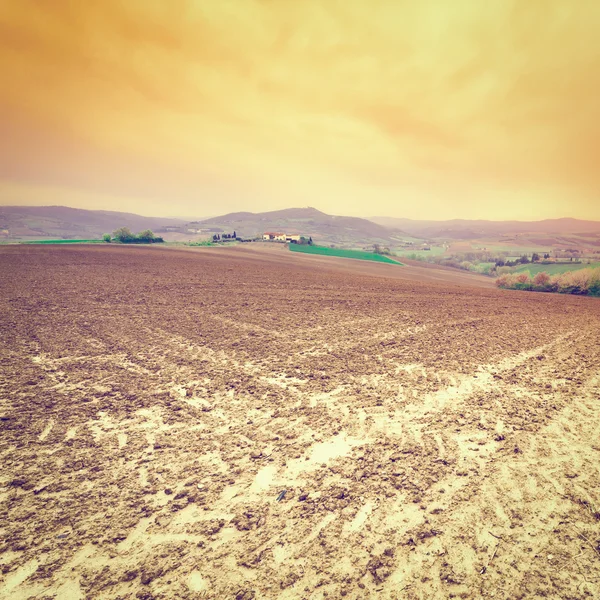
(433, 109)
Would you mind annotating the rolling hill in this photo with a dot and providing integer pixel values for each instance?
(305, 221)
(61, 222)
(471, 229)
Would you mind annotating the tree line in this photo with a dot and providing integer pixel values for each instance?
(124, 235)
(584, 282)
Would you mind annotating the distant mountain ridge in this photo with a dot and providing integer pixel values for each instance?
(63, 221)
(472, 228)
(31, 222)
(305, 221)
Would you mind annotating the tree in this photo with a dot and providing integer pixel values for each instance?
(535, 257)
(546, 256)
(147, 235)
(106, 237)
(310, 242)
(123, 235)
(234, 235)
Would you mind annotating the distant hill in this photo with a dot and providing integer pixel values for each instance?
(305, 221)
(38, 222)
(471, 229)
(27, 222)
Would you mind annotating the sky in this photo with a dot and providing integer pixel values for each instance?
(433, 109)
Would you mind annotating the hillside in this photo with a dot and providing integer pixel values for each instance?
(469, 229)
(34, 222)
(307, 221)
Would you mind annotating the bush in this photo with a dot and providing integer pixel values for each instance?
(594, 282)
(507, 281)
(123, 235)
(574, 282)
(146, 236)
(541, 279)
(106, 237)
(523, 281)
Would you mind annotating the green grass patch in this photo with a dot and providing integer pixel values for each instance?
(513, 249)
(554, 269)
(64, 242)
(204, 243)
(340, 252)
(416, 254)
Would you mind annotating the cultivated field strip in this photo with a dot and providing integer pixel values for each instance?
(431, 442)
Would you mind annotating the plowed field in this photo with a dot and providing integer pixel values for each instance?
(237, 424)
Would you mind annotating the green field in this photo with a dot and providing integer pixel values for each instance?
(408, 253)
(64, 242)
(358, 254)
(556, 268)
(513, 250)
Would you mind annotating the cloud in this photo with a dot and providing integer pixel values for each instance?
(251, 99)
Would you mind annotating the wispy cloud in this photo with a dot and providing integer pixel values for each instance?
(458, 108)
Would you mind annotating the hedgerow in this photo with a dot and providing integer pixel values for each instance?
(584, 282)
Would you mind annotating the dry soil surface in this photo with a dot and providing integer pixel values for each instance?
(238, 424)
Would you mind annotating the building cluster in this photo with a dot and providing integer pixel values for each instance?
(270, 236)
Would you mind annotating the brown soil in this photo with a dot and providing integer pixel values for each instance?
(432, 441)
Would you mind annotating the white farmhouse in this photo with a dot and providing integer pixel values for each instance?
(270, 236)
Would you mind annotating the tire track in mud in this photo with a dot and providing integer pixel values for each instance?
(394, 439)
(443, 484)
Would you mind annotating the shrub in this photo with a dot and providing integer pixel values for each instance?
(123, 235)
(146, 236)
(502, 281)
(507, 281)
(541, 281)
(515, 281)
(574, 282)
(106, 237)
(554, 283)
(594, 282)
(449, 262)
(523, 281)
